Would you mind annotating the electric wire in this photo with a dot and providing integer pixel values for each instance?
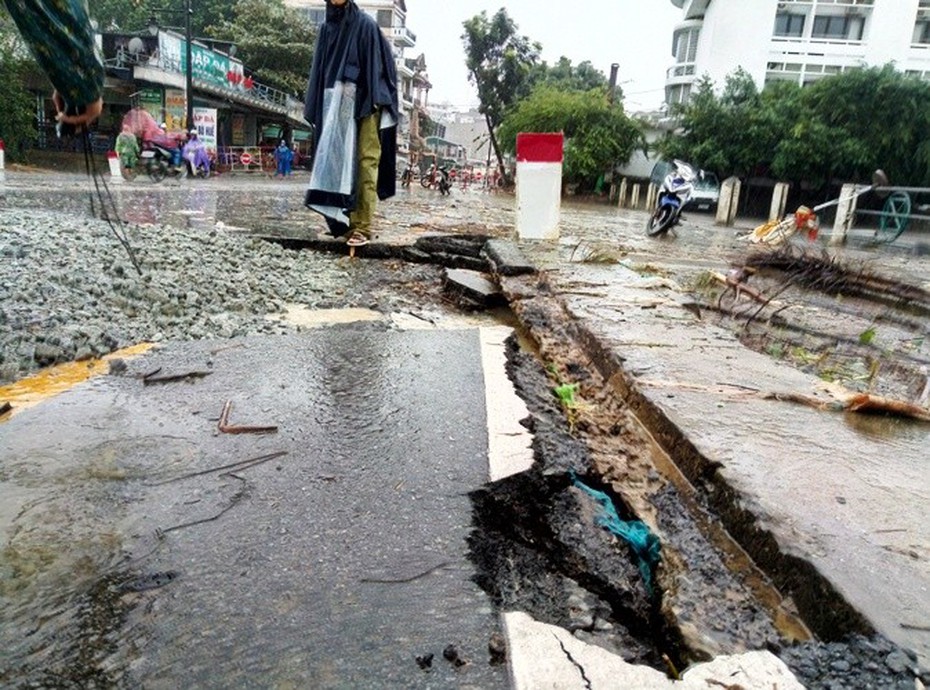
(108, 210)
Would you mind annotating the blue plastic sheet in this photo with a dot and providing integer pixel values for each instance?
(644, 544)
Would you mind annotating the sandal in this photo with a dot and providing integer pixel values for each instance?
(357, 239)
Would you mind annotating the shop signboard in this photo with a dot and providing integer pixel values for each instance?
(205, 124)
(152, 101)
(175, 110)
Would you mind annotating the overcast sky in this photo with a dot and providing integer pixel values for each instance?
(636, 34)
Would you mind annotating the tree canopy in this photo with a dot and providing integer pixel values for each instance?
(842, 127)
(500, 64)
(274, 41)
(598, 134)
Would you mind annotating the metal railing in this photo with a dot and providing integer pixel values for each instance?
(262, 92)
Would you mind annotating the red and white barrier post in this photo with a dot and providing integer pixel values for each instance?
(2, 160)
(539, 185)
(116, 175)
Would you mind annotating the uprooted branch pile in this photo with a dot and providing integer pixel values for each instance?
(825, 273)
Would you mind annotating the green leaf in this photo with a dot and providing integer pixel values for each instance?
(867, 336)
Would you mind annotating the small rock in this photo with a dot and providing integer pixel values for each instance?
(897, 661)
(425, 661)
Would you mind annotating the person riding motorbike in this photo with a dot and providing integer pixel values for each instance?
(196, 155)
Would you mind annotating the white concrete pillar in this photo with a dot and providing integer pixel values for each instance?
(621, 199)
(652, 194)
(729, 201)
(634, 198)
(779, 201)
(845, 213)
(539, 185)
(116, 175)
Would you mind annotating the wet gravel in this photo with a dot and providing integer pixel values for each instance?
(69, 291)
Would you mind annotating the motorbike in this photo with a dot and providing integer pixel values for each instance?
(407, 176)
(159, 162)
(674, 193)
(196, 158)
(437, 177)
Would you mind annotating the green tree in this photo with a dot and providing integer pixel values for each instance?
(727, 133)
(840, 127)
(563, 75)
(16, 116)
(17, 127)
(275, 41)
(876, 118)
(130, 16)
(598, 134)
(501, 65)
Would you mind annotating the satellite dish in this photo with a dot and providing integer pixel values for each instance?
(136, 45)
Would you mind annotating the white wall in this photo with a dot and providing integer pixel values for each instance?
(890, 31)
(735, 33)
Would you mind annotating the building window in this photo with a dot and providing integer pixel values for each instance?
(922, 32)
(838, 27)
(678, 93)
(685, 45)
(791, 25)
(385, 18)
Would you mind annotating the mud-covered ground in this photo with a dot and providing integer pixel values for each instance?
(69, 292)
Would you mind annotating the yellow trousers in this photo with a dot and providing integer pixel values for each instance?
(369, 157)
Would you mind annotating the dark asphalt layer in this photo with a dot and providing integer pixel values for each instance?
(335, 565)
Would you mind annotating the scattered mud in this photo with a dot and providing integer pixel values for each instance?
(843, 322)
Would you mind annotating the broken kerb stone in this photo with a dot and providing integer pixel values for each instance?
(464, 245)
(472, 289)
(507, 259)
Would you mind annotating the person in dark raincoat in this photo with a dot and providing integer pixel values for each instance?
(352, 105)
(61, 37)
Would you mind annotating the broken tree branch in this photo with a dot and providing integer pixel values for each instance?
(240, 465)
(865, 403)
(150, 378)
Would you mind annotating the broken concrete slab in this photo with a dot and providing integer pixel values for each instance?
(473, 290)
(547, 656)
(507, 259)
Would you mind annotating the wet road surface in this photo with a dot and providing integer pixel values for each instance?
(853, 504)
(334, 559)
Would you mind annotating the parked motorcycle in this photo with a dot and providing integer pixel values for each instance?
(161, 162)
(674, 193)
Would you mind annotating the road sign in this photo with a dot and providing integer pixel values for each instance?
(245, 158)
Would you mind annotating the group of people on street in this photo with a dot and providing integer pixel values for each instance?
(351, 102)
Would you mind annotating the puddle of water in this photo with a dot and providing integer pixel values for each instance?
(53, 380)
(299, 315)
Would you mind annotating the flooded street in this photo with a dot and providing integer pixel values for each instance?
(138, 542)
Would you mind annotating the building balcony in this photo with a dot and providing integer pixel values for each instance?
(402, 36)
(684, 70)
(694, 9)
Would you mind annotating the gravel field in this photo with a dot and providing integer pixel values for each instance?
(68, 290)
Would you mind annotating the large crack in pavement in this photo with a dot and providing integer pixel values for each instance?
(712, 599)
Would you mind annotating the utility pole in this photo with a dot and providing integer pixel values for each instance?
(189, 75)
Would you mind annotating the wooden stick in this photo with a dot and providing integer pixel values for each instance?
(227, 428)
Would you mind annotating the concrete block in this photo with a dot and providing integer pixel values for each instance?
(506, 259)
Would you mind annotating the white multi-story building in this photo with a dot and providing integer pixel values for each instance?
(796, 40)
(413, 84)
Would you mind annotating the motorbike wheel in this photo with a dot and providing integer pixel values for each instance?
(660, 221)
(425, 181)
(157, 171)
